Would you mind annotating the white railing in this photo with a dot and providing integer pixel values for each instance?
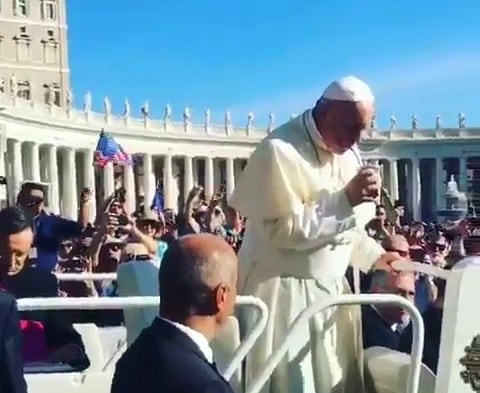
(91, 303)
(86, 276)
(342, 300)
(419, 267)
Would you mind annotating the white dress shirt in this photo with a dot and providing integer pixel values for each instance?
(198, 338)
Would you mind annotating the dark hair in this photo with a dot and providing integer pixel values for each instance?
(181, 286)
(13, 220)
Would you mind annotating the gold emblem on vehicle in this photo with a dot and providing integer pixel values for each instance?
(471, 363)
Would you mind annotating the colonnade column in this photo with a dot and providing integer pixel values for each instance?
(70, 197)
(89, 181)
(34, 161)
(209, 178)
(168, 192)
(230, 172)
(188, 180)
(463, 174)
(17, 168)
(52, 174)
(129, 184)
(148, 181)
(108, 180)
(3, 171)
(393, 181)
(440, 183)
(416, 189)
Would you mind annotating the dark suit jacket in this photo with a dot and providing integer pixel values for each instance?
(11, 364)
(377, 332)
(432, 319)
(163, 359)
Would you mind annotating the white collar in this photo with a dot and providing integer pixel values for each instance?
(198, 338)
(313, 131)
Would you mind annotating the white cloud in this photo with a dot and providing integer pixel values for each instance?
(385, 80)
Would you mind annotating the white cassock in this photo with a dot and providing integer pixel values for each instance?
(301, 235)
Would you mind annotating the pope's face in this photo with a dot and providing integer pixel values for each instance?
(343, 122)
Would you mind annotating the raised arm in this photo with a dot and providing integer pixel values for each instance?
(278, 193)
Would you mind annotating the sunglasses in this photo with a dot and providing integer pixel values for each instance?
(134, 257)
(439, 247)
(34, 202)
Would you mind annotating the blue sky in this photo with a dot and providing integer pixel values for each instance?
(277, 56)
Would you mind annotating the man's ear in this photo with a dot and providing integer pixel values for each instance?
(221, 296)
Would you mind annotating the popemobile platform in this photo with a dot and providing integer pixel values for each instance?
(386, 371)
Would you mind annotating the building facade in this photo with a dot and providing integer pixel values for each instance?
(55, 145)
(34, 50)
(44, 139)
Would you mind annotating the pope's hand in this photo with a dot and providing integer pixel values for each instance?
(386, 260)
(365, 186)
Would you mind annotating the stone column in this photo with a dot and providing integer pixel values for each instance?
(70, 202)
(416, 190)
(188, 177)
(230, 163)
(168, 191)
(89, 181)
(52, 176)
(393, 181)
(17, 168)
(148, 181)
(196, 181)
(3, 171)
(209, 178)
(108, 181)
(217, 174)
(440, 183)
(463, 174)
(33, 150)
(129, 185)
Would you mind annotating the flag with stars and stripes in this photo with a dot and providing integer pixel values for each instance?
(108, 150)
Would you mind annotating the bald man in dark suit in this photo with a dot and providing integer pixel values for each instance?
(198, 279)
(11, 364)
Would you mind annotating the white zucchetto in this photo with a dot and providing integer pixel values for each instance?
(349, 89)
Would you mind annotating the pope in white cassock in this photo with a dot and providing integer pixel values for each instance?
(307, 200)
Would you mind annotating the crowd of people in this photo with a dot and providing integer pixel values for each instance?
(301, 241)
(35, 245)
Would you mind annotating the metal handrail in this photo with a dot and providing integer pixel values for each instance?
(105, 303)
(86, 276)
(419, 267)
(417, 344)
(252, 337)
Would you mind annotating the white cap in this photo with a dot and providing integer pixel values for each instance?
(349, 89)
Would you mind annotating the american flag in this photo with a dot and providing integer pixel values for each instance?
(158, 201)
(110, 151)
